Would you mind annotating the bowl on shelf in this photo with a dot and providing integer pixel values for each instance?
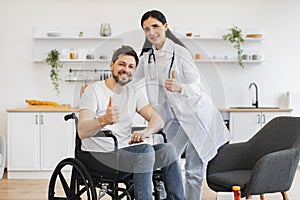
(53, 34)
(256, 35)
(252, 107)
(189, 34)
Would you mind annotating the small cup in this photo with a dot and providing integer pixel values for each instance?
(189, 34)
(197, 56)
(103, 57)
(256, 57)
(246, 57)
(89, 56)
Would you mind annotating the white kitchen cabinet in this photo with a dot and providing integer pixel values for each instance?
(243, 125)
(37, 141)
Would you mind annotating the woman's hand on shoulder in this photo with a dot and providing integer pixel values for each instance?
(83, 87)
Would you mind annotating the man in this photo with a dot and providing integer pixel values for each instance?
(111, 104)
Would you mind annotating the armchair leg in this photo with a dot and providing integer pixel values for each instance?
(262, 197)
(248, 197)
(285, 196)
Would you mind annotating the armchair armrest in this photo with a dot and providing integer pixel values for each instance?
(278, 168)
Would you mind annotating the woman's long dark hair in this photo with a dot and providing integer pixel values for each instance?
(160, 17)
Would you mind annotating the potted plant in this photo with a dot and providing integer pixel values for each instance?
(235, 37)
(53, 60)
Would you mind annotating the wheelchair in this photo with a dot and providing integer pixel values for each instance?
(91, 179)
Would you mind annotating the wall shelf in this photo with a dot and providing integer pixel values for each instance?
(67, 39)
(226, 61)
(76, 61)
(76, 38)
(214, 49)
(218, 38)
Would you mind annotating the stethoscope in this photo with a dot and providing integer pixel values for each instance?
(151, 59)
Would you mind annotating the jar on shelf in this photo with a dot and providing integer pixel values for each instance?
(73, 54)
(105, 30)
(90, 55)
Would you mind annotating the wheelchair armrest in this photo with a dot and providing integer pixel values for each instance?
(108, 133)
(163, 134)
(101, 133)
(160, 132)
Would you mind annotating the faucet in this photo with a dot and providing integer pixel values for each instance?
(256, 94)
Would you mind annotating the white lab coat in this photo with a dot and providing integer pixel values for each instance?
(193, 108)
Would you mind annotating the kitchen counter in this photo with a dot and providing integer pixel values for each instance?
(43, 109)
(63, 109)
(255, 109)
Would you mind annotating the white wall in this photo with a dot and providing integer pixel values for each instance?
(21, 78)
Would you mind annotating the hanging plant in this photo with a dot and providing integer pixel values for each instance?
(53, 60)
(235, 37)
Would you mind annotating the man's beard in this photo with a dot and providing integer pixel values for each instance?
(120, 82)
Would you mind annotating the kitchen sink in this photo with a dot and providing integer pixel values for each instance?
(251, 107)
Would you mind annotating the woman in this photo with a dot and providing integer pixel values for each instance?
(173, 86)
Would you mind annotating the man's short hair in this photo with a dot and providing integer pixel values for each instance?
(125, 50)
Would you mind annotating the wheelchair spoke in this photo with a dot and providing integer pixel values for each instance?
(64, 184)
(125, 193)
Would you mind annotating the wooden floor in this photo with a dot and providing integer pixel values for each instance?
(37, 190)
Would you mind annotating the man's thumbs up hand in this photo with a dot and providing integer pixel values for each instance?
(111, 116)
(112, 113)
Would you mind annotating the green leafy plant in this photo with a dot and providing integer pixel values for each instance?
(53, 60)
(235, 37)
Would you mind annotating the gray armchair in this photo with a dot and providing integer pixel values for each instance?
(2, 155)
(266, 163)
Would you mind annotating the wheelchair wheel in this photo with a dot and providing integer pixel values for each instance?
(80, 186)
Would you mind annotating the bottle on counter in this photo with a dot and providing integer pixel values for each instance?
(236, 192)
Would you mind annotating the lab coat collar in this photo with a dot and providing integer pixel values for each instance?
(167, 49)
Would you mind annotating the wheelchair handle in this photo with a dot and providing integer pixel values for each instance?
(70, 116)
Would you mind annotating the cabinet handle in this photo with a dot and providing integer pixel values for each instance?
(258, 119)
(263, 119)
(42, 119)
(36, 119)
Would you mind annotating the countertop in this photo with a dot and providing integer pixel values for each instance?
(255, 109)
(58, 109)
(43, 109)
